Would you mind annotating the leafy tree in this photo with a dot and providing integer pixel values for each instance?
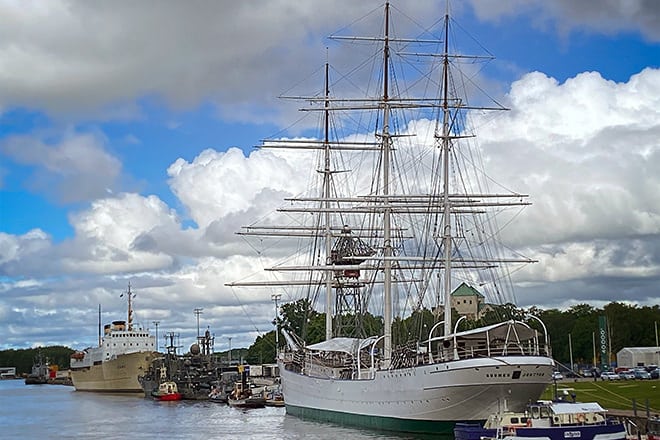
(301, 319)
(316, 328)
(499, 312)
(581, 310)
(263, 349)
(23, 359)
(415, 327)
(297, 316)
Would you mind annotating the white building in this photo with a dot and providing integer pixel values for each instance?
(638, 356)
(7, 372)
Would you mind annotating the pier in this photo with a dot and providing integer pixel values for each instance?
(638, 419)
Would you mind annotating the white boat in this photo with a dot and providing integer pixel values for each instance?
(388, 254)
(124, 353)
(558, 420)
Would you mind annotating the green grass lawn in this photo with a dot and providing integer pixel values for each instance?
(617, 394)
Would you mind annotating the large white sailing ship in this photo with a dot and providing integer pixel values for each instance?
(391, 250)
(124, 353)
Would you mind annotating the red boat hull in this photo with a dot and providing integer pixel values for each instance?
(168, 397)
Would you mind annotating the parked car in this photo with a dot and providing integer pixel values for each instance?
(609, 375)
(556, 375)
(642, 374)
(627, 374)
(655, 374)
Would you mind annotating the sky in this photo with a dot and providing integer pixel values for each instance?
(126, 152)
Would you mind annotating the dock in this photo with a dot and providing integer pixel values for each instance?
(639, 419)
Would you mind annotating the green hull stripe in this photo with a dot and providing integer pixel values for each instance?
(373, 422)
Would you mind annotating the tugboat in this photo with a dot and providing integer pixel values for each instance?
(167, 392)
(241, 396)
(40, 371)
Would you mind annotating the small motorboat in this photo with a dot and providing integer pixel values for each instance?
(218, 395)
(274, 398)
(241, 396)
(247, 402)
(546, 419)
(167, 391)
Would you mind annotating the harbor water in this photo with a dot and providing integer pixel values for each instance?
(60, 412)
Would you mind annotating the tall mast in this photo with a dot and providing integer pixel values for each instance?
(446, 224)
(326, 196)
(346, 255)
(387, 244)
(130, 308)
(99, 325)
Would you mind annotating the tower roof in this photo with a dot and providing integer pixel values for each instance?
(465, 290)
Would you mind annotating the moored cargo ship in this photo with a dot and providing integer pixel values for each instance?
(123, 354)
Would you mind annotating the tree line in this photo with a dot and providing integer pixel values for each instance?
(23, 359)
(628, 326)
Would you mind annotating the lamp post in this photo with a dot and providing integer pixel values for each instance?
(229, 350)
(156, 324)
(655, 323)
(275, 297)
(570, 350)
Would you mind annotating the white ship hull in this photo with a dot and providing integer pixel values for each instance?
(118, 375)
(425, 398)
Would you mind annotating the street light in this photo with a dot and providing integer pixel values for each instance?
(570, 350)
(229, 350)
(275, 297)
(156, 324)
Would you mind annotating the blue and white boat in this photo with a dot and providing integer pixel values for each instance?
(548, 421)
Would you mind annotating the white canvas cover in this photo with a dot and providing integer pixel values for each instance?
(345, 345)
(577, 408)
